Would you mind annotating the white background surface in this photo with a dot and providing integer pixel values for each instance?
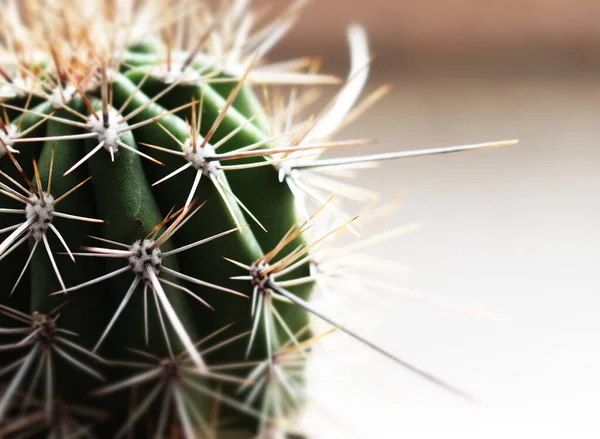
(513, 231)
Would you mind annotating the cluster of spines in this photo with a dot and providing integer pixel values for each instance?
(225, 52)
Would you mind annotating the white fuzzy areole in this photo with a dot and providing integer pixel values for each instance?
(42, 212)
(19, 87)
(7, 138)
(176, 72)
(317, 260)
(198, 158)
(286, 170)
(109, 135)
(259, 279)
(62, 96)
(144, 255)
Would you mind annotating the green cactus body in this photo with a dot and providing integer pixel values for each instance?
(159, 244)
(120, 193)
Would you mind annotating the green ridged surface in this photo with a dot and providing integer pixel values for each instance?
(120, 193)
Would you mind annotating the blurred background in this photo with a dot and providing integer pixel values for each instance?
(510, 230)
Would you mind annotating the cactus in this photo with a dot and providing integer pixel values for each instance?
(160, 185)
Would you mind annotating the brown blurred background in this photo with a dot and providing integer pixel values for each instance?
(537, 34)
(512, 230)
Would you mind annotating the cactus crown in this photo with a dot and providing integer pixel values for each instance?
(134, 143)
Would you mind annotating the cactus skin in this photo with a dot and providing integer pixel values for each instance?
(121, 194)
(122, 226)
